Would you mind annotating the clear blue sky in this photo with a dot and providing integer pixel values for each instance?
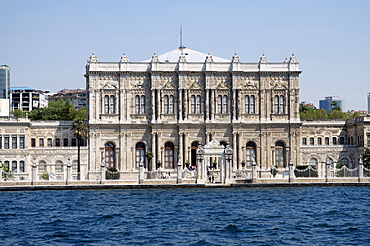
(47, 42)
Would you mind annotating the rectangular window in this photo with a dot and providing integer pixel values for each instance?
(21, 142)
(74, 142)
(6, 163)
(33, 142)
(1, 142)
(14, 166)
(50, 142)
(14, 142)
(41, 142)
(65, 142)
(368, 140)
(6, 142)
(319, 141)
(57, 142)
(21, 166)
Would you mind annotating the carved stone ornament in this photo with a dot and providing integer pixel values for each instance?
(93, 58)
(279, 83)
(248, 83)
(221, 82)
(124, 58)
(182, 58)
(166, 82)
(136, 81)
(263, 58)
(110, 85)
(192, 82)
(155, 57)
(236, 58)
(209, 58)
(293, 59)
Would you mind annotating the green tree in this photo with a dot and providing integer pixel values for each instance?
(334, 106)
(6, 173)
(59, 110)
(19, 113)
(149, 157)
(79, 128)
(336, 114)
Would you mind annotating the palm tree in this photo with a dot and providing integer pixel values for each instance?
(79, 128)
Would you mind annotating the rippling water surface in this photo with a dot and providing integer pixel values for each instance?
(194, 216)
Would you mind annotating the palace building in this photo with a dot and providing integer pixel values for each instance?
(183, 111)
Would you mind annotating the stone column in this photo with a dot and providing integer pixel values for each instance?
(34, 174)
(254, 172)
(141, 172)
(360, 170)
(234, 106)
(222, 169)
(327, 170)
(102, 173)
(179, 168)
(154, 151)
(207, 107)
(291, 171)
(69, 173)
(235, 164)
(154, 108)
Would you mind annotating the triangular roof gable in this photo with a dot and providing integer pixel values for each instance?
(191, 56)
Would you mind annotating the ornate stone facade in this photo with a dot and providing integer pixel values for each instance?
(168, 106)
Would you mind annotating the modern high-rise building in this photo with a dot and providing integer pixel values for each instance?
(77, 97)
(328, 105)
(4, 81)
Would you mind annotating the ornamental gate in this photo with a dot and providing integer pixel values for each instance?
(214, 163)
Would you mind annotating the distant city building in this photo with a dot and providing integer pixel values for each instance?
(327, 103)
(27, 99)
(77, 97)
(368, 103)
(4, 81)
(4, 107)
(307, 104)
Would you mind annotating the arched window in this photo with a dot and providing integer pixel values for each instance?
(304, 141)
(172, 105)
(225, 105)
(198, 107)
(319, 141)
(345, 162)
(109, 104)
(140, 154)
(326, 141)
(312, 141)
(106, 104)
(280, 154)
(42, 167)
(252, 107)
(59, 167)
(334, 141)
(74, 166)
(142, 105)
(193, 104)
(276, 104)
(110, 156)
(169, 155)
(313, 162)
(137, 104)
(250, 150)
(194, 147)
(112, 104)
(341, 140)
(282, 105)
(166, 104)
(247, 104)
(219, 104)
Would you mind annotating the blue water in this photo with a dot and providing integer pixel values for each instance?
(194, 216)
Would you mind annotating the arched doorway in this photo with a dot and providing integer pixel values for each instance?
(169, 155)
(110, 156)
(250, 150)
(194, 147)
(280, 154)
(140, 154)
